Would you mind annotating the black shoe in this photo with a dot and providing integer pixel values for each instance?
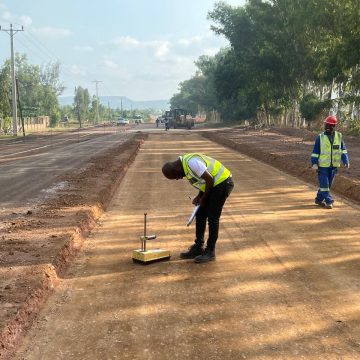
(207, 255)
(194, 250)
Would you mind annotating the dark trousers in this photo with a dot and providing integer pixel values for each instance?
(326, 178)
(212, 212)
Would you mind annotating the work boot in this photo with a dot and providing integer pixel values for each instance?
(207, 255)
(320, 203)
(193, 251)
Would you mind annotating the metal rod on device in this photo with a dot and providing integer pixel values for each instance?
(145, 214)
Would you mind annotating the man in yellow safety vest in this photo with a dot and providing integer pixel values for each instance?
(214, 182)
(328, 154)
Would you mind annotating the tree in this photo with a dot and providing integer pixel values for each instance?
(81, 104)
(5, 96)
(280, 51)
(38, 87)
(289, 48)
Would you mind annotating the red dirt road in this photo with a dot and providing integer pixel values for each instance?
(284, 285)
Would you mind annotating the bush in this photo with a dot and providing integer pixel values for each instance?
(354, 128)
(55, 117)
(311, 107)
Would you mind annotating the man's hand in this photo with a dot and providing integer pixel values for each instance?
(196, 200)
(315, 167)
(202, 202)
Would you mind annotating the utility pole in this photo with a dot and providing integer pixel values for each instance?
(20, 109)
(97, 98)
(12, 32)
(78, 107)
(109, 110)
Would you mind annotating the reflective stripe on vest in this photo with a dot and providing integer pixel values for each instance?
(214, 167)
(330, 154)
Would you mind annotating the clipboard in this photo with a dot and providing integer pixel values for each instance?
(192, 217)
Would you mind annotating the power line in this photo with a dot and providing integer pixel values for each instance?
(31, 50)
(66, 68)
(43, 53)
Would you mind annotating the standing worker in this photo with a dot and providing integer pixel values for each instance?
(214, 182)
(328, 154)
(167, 124)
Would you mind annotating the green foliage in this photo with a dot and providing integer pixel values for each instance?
(311, 106)
(67, 110)
(81, 104)
(192, 94)
(280, 51)
(55, 117)
(354, 128)
(5, 95)
(38, 88)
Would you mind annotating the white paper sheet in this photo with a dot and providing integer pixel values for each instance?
(192, 217)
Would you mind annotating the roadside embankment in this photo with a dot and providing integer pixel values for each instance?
(289, 150)
(37, 246)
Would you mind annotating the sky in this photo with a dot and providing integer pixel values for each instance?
(141, 49)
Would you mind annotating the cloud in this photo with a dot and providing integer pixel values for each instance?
(167, 50)
(16, 20)
(78, 70)
(6, 15)
(25, 20)
(125, 41)
(110, 64)
(211, 51)
(52, 32)
(83, 48)
(161, 49)
(191, 40)
(161, 61)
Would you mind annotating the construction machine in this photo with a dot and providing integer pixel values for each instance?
(179, 118)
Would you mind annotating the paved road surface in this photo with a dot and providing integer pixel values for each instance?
(285, 284)
(31, 166)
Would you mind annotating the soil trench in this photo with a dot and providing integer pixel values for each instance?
(284, 284)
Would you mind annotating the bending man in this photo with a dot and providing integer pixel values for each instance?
(214, 182)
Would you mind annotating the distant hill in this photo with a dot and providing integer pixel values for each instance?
(127, 104)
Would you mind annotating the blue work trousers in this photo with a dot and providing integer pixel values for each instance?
(326, 177)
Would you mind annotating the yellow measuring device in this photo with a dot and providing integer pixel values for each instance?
(145, 256)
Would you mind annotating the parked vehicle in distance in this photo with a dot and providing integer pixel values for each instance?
(138, 119)
(122, 121)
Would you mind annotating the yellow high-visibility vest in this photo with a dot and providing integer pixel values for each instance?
(217, 170)
(330, 154)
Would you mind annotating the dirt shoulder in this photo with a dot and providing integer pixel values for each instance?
(289, 150)
(280, 288)
(36, 245)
